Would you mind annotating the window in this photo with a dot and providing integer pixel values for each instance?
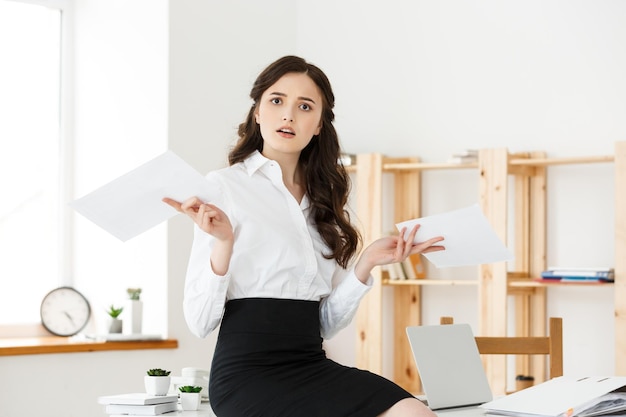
(31, 154)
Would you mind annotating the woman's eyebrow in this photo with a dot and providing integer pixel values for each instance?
(307, 99)
(276, 93)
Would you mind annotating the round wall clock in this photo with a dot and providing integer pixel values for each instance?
(64, 311)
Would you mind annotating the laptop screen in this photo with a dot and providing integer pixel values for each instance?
(449, 365)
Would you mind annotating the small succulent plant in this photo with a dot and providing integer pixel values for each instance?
(114, 311)
(133, 293)
(189, 388)
(158, 372)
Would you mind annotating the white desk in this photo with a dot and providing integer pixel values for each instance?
(462, 412)
(205, 411)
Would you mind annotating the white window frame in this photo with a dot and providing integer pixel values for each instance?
(66, 162)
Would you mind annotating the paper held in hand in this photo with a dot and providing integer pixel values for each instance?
(131, 204)
(468, 238)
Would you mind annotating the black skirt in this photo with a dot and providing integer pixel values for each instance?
(269, 361)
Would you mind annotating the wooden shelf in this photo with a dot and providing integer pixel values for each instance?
(508, 182)
(53, 344)
(529, 283)
(422, 166)
(417, 166)
(562, 161)
(437, 282)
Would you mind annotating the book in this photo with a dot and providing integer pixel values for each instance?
(590, 280)
(577, 280)
(137, 398)
(563, 396)
(579, 274)
(392, 272)
(415, 261)
(467, 156)
(398, 270)
(347, 159)
(600, 271)
(141, 410)
(409, 271)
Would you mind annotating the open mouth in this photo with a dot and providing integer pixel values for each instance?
(286, 132)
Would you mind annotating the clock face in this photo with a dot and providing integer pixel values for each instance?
(64, 311)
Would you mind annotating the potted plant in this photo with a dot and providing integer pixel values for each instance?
(134, 310)
(157, 381)
(190, 397)
(115, 324)
(133, 293)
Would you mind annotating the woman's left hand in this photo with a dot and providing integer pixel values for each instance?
(392, 249)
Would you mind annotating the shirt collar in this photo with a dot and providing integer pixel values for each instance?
(254, 162)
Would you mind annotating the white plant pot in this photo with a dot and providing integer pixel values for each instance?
(133, 314)
(157, 385)
(115, 325)
(190, 400)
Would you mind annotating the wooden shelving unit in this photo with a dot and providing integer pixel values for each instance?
(495, 282)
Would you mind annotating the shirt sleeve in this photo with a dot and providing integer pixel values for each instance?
(205, 292)
(339, 308)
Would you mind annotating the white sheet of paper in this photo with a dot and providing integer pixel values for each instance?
(468, 238)
(131, 204)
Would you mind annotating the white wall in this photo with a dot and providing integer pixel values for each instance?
(216, 49)
(120, 120)
(422, 78)
(429, 78)
(150, 75)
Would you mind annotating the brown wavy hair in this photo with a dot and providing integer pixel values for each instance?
(327, 182)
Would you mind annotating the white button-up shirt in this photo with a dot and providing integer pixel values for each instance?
(278, 252)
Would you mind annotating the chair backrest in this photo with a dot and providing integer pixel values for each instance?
(551, 345)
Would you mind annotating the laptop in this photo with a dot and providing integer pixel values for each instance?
(449, 365)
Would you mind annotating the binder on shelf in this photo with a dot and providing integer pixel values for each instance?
(417, 265)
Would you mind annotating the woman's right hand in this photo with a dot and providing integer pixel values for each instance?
(214, 222)
(207, 216)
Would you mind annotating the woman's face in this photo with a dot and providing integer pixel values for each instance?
(289, 114)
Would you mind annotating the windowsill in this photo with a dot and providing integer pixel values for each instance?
(54, 344)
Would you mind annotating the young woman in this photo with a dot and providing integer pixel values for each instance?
(273, 262)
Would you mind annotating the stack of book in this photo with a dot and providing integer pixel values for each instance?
(138, 404)
(347, 159)
(468, 156)
(603, 274)
(410, 268)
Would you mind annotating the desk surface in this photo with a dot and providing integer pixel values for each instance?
(205, 411)
(461, 412)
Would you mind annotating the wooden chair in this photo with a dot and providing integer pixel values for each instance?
(551, 345)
